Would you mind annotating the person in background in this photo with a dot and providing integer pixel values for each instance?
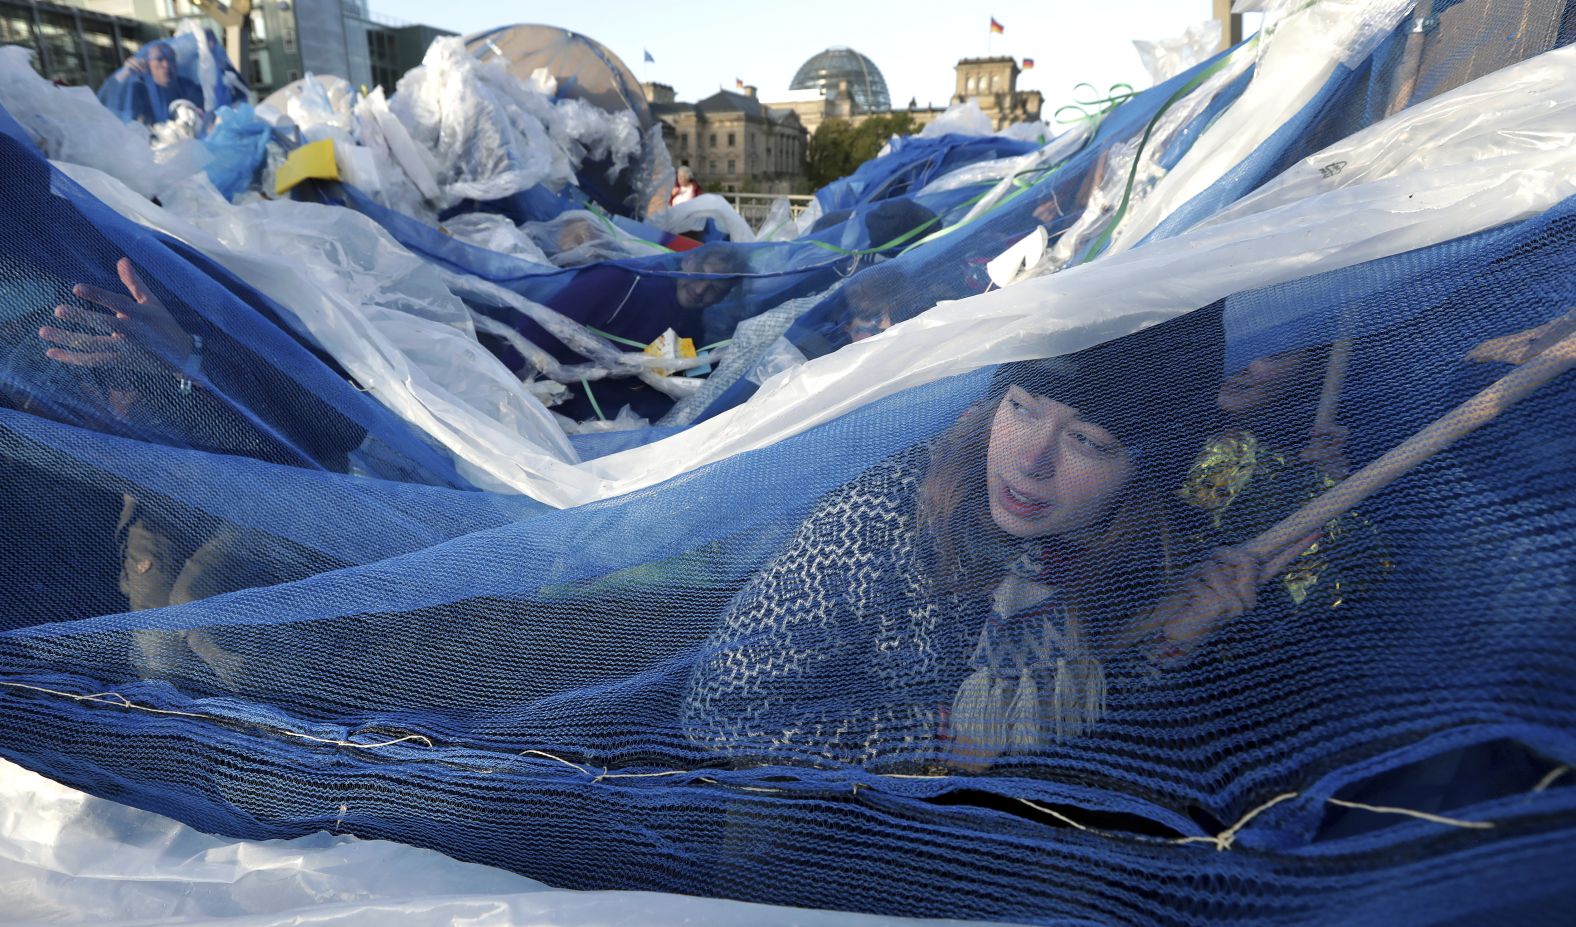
(159, 84)
(684, 186)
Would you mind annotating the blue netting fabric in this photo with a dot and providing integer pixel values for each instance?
(1254, 608)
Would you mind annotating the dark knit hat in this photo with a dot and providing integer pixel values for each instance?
(1154, 389)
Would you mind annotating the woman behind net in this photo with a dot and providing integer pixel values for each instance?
(962, 600)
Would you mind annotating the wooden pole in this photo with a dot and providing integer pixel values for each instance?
(1414, 451)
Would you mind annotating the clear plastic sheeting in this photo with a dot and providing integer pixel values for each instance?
(497, 136)
(1297, 53)
(1166, 58)
(1524, 109)
(964, 118)
(693, 215)
(69, 858)
(576, 237)
(69, 124)
(384, 314)
(495, 233)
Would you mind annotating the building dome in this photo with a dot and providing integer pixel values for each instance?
(865, 83)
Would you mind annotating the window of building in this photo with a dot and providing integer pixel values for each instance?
(969, 86)
(995, 81)
(712, 140)
(731, 142)
(262, 75)
(259, 28)
(732, 167)
(711, 166)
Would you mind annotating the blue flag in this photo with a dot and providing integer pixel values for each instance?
(649, 58)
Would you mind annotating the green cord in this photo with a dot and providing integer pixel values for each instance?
(595, 407)
(1103, 241)
(612, 337)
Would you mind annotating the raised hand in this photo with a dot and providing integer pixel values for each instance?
(134, 332)
(1326, 451)
(1221, 588)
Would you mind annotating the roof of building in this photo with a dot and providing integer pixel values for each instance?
(825, 69)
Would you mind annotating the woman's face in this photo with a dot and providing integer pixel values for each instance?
(1049, 471)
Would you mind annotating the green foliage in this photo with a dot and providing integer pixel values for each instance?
(838, 147)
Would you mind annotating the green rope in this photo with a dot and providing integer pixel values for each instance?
(1103, 241)
(1118, 94)
(612, 337)
(595, 407)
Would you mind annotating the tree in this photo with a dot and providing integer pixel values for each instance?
(838, 147)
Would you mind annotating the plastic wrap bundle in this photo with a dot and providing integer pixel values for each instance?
(499, 136)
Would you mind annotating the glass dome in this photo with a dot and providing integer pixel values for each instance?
(865, 83)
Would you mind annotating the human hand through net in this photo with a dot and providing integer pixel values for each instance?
(1221, 588)
(133, 332)
(1326, 451)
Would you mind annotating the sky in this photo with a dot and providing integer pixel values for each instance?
(700, 47)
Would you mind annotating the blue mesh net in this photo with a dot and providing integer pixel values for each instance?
(1260, 614)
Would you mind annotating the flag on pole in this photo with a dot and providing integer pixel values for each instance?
(996, 28)
(738, 84)
(649, 59)
(1028, 63)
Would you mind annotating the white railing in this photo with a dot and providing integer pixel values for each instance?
(754, 207)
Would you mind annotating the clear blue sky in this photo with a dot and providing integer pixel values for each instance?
(700, 47)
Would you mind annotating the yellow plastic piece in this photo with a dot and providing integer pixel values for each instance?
(309, 162)
(669, 344)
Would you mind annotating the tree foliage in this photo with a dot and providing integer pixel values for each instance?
(838, 146)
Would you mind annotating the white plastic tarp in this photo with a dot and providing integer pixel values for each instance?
(69, 858)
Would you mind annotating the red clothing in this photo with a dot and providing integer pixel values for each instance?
(683, 193)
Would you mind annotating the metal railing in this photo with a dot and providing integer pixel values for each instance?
(754, 207)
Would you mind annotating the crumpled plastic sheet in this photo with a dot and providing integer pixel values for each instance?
(385, 315)
(1122, 181)
(495, 233)
(1295, 59)
(1166, 58)
(779, 224)
(964, 118)
(1526, 108)
(1006, 171)
(691, 216)
(70, 124)
(69, 858)
(577, 236)
(496, 136)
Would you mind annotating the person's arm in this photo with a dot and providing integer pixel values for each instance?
(790, 671)
(136, 333)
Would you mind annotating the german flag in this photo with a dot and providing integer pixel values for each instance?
(996, 27)
(1028, 64)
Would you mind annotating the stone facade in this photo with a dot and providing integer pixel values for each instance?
(733, 142)
(993, 83)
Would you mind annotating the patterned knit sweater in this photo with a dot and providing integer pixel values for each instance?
(840, 649)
